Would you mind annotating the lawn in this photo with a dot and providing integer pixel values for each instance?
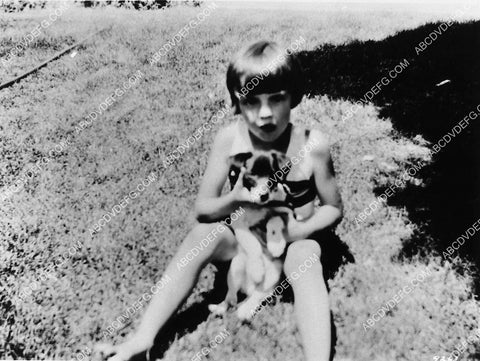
(58, 206)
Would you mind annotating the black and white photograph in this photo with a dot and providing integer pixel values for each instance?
(240, 180)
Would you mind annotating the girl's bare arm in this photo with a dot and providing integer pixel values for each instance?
(331, 210)
(210, 206)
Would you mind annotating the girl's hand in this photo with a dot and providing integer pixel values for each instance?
(296, 230)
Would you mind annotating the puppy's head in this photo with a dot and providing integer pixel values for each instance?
(265, 173)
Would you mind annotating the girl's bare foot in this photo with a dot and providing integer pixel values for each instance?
(121, 352)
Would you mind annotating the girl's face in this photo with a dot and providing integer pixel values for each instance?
(267, 114)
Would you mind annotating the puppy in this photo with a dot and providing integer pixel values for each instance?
(256, 269)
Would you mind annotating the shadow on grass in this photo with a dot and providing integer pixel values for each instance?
(188, 320)
(449, 203)
(182, 323)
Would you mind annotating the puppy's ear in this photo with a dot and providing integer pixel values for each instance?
(239, 160)
(280, 162)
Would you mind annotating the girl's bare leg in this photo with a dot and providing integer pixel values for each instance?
(311, 307)
(182, 279)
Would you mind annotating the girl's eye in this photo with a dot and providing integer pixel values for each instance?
(250, 101)
(277, 98)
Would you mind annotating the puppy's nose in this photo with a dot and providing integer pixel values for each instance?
(264, 197)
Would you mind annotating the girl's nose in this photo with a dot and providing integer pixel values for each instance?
(265, 111)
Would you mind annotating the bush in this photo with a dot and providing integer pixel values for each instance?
(137, 4)
(13, 6)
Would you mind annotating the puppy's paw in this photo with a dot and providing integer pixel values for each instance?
(276, 242)
(219, 309)
(276, 249)
(245, 312)
(256, 270)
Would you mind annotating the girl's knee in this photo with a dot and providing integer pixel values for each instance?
(205, 234)
(208, 238)
(301, 256)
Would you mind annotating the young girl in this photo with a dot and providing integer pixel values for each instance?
(265, 83)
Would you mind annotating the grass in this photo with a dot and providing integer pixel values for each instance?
(106, 161)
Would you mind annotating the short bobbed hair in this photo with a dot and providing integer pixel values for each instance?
(264, 67)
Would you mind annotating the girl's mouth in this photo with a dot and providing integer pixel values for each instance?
(268, 128)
